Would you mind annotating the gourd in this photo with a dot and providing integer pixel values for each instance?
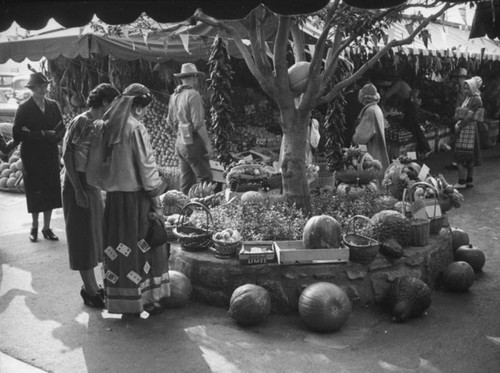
(458, 238)
(173, 201)
(250, 304)
(458, 276)
(298, 74)
(324, 307)
(180, 290)
(472, 255)
(408, 297)
(391, 224)
(321, 232)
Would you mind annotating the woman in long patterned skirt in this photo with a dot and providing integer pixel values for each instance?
(122, 163)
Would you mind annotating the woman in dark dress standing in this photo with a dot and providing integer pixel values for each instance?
(38, 126)
(83, 204)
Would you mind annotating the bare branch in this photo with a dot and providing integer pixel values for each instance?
(280, 44)
(298, 43)
(257, 44)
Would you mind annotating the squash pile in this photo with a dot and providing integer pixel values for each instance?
(357, 172)
(11, 176)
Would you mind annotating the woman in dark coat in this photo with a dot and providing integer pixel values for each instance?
(38, 126)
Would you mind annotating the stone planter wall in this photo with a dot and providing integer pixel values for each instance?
(214, 280)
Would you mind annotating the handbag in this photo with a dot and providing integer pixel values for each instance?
(157, 234)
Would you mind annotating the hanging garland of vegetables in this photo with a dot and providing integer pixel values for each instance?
(335, 127)
(221, 102)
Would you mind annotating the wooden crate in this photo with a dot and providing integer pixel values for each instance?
(247, 257)
(293, 252)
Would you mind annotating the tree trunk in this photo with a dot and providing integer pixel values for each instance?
(295, 185)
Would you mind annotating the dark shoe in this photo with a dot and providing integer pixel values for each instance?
(95, 301)
(49, 235)
(34, 235)
(154, 309)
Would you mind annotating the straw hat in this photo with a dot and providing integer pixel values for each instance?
(189, 69)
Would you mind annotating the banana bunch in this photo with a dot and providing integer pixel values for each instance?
(211, 200)
(201, 190)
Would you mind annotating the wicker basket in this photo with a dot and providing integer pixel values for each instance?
(192, 238)
(362, 249)
(436, 222)
(420, 231)
(226, 250)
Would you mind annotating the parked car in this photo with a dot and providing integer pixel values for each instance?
(6, 83)
(8, 108)
(19, 90)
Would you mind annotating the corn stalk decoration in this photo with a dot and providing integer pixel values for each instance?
(221, 103)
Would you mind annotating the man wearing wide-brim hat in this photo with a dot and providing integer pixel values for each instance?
(38, 126)
(186, 113)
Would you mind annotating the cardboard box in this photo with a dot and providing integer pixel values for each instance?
(217, 171)
(248, 257)
(293, 252)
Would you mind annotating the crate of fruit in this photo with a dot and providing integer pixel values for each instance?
(257, 252)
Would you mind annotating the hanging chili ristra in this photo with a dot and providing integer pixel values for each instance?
(221, 103)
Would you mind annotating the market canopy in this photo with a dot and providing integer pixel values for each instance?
(34, 14)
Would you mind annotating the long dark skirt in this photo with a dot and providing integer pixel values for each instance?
(42, 183)
(135, 274)
(83, 226)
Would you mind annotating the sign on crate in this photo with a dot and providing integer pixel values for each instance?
(257, 252)
(293, 252)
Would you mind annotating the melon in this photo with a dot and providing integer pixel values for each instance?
(13, 159)
(458, 276)
(299, 76)
(250, 304)
(3, 182)
(13, 167)
(324, 307)
(4, 166)
(11, 182)
(322, 232)
(252, 196)
(5, 173)
(19, 165)
(180, 290)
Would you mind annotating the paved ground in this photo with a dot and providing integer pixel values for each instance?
(44, 325)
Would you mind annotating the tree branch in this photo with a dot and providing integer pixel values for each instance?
(280, 46)
(298, 43)
(257, 44)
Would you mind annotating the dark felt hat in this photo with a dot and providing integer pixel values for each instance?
(37, 79)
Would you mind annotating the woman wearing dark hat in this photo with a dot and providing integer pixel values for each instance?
(186, 114)
(38, 126)
(82, 203)
(122, 163)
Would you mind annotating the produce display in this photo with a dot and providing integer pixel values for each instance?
(458, 276)
(408, 297)
(358, 167)
(324, 307)
(180, 290)
(246, 176)
(471, 255)
(458, 238)
(250, 304)
(11, 176)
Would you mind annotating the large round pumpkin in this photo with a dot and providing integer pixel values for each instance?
(321, 232)
(471, 254)
(324, 307)
(250, 304)
(299, 75)
(180, 290)
(252, 197)
(458, 276)
(458, 238)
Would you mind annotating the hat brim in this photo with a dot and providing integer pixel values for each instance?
(34, 85)
(183, 75)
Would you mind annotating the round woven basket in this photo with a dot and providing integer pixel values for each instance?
(362, 249)
(192, 238)
(226, 250)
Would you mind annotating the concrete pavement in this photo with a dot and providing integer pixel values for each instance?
(45, 326)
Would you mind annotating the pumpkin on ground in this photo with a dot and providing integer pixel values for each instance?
(458, 276)
(408, 297)
(250, 304)
(321, 232)
(458, 238)
(471, 254)
(252, 197)
(180, 290)
(324, 307)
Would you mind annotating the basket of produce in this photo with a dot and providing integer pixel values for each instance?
(171, 222)
(226, 243)
(358, 167)
(246, 177)
(363, 248)
(420, 227)
(424, 191)
(400, 175)
(190, 237)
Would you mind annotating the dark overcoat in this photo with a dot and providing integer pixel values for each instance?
(40, 155)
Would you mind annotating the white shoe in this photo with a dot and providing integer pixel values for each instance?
(460, 186)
